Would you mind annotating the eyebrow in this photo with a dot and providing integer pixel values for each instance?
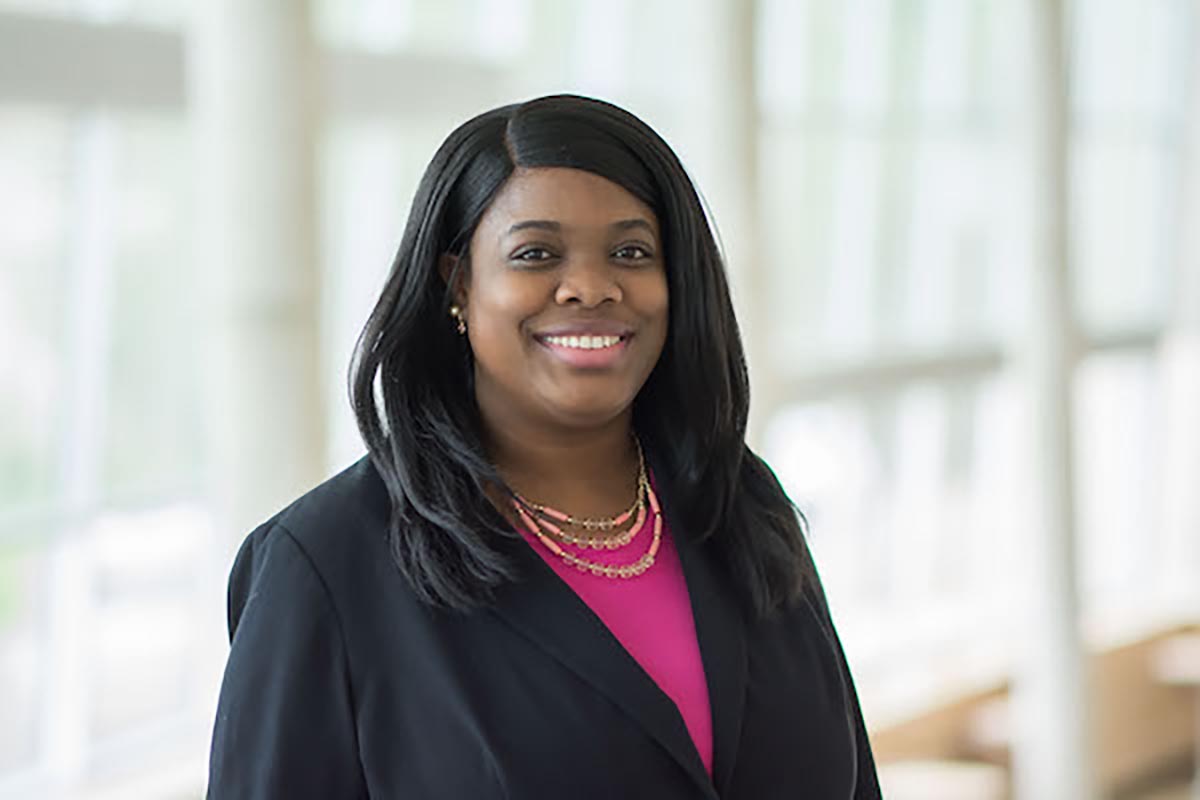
(551, 225)
(544, 224)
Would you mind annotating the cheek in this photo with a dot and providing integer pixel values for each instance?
(496, 322)
(651, 304)
(501, 304)
(655, 302)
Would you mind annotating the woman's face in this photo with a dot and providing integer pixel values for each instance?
(565, 300)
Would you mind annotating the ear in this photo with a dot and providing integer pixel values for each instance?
(453, 268)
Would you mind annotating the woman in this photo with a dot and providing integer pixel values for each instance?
(559, 572)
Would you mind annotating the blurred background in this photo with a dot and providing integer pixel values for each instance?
(963, 241)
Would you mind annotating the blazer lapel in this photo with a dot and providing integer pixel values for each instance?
(549, 613)
(721, 632)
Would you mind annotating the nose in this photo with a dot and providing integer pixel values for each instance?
(588, 282)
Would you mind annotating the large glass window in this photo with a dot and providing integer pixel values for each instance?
(894, 234)
(897, 215)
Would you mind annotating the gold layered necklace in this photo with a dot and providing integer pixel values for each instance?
(546, 523)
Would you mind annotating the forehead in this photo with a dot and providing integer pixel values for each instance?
(571, 197)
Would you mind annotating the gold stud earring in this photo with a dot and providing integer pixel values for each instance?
(456, 312)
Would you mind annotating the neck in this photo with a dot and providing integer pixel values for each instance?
(584, 471)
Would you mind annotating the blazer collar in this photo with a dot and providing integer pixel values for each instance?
(549, 613)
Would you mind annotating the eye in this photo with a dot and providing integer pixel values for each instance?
(533, 254)
(633, 252)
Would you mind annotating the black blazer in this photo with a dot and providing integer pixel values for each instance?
(341, 684)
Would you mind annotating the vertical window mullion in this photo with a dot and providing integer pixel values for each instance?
(65, 705)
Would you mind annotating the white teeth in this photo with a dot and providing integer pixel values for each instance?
(584, 342)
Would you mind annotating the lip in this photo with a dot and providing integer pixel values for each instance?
(596, 359)
(597, 327)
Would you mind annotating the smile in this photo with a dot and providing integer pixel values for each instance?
(583, 342)
(586, 352)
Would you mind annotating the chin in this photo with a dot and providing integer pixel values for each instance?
(590, 412)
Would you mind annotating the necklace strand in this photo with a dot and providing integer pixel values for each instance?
(631, 570)
(546, 523)
(595, 523)
(602, 542)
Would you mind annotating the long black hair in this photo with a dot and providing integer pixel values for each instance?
(411, 377)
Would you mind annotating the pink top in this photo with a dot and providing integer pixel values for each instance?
(651, 616)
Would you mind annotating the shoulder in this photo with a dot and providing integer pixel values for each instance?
(329, 537)
(285, 723)
(355, 499)
(343, 516)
